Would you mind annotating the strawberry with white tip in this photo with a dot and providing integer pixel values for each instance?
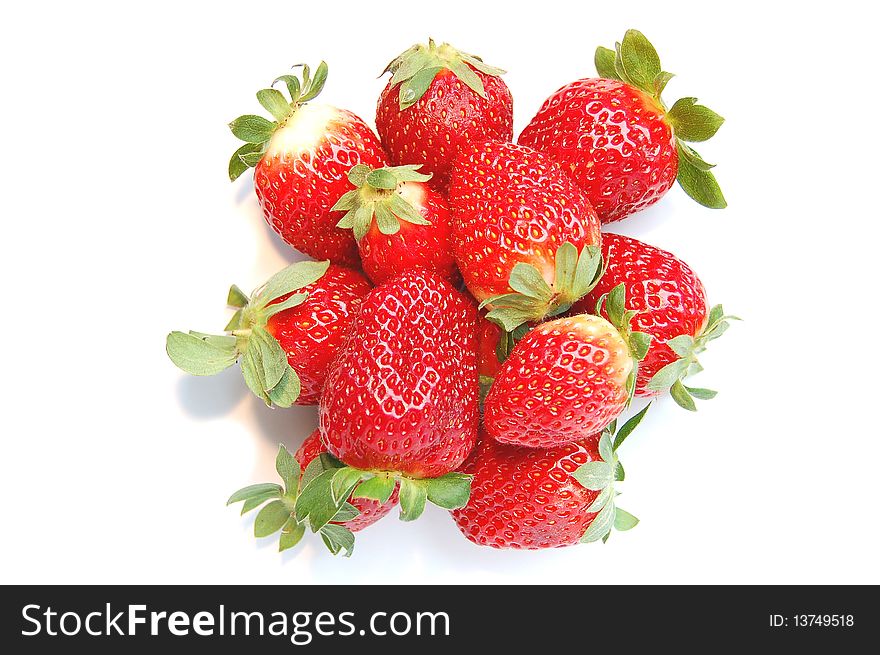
(301, 161)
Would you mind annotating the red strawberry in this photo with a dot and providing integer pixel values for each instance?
(489, 337)
(400, 402)
(412, 227)
(534, 498)
(565, 380)
(617, 138)
(370, 510)
(525, 237)
(438, 98)
(302, 159)
(672, 308)
(285, 336)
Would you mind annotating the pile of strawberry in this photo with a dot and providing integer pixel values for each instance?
(468, 333)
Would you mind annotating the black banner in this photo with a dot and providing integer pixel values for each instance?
(516, 619)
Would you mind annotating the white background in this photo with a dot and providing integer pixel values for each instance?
(119, 225)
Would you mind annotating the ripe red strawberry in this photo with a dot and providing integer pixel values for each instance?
(301, 160)
(525, 237)
(672, 308)
(285, 336)
(399, 222)
(369, 510)
(619, 141)
(532, 498)
(401, 400)
(565, 380)
(489, 338)
(436, 99)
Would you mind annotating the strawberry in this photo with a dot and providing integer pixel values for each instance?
(369, 510)
(618, 139)
(280, 505)
(565, 380)
(284, 336)
(399, 222)
(301, 160)
(400, 402)
(672, 308)
(525, 236)
(531, 498)
(437, 98)
(490, 338)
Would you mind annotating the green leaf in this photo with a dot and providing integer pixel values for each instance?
(409, 64)
(615, 306)
(237, 165)
(627, 428)
(594, 475)
(639, 343)
(346, 513)
(286, 392)
(316, 84)
(450, 491)
(273, 102)
(236, 297)
(271, 519)
(715, 315)
(292, 84)
(348, 200)
(660, 82)
(587, 273)
(289, 279)
(604, 60)
(251, 159)
(468, 77)
(406, 211)
(253, 503)
(292, 301)
(682, 345)
(623, 520)
(358, 174)
(525, 279)
(668, 375)
(619, 472)
(385, 220)
(291, 534)
(510, 318)
(252, 371)
(606, 451)
(255, 491)
(315, 501)
(288, 469)
(253, 129)
(272, 358)
(693, 122)
(413, 494)
(701, 394)
(601, 500)
(699, 184)
(414, 88)
(313, 470)
(378, 488)
(199, 356)
(692, 157)
(601, 524)
(337, 539)
(344, 482)
(640, 60)
(410, 173)
(566, 266)
(382, 178)
(682, 397)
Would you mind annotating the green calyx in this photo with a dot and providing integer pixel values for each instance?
(614, 304)
(279, 511)
(670, 377)
(417, 67)
(256, 131)
(330, 489)
(634, 61)
(377, 195)
(263, 361)
(533, 299)
(600, 475)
